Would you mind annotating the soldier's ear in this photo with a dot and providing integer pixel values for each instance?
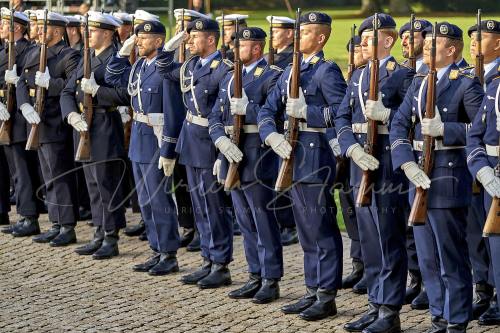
(497, 45)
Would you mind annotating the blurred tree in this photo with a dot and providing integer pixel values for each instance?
(368, 7)
(399, 7)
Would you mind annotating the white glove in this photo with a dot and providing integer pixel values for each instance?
(375, 110)
(491, 183)
(334, 144)
(89, 86)
(30, 114)
(124, 114)
(76, 120)
(239, 105)
(416, 175)
(498, 122)
(297, 107)
(175, 41)
(127, 47)
(363, 160)
(216, 171)
(43, 79)
(433, 127)
(167, 164)
(279, 145)
(4, 114)
(229, 149)
(11, 76)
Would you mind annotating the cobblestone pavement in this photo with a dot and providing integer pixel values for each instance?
(53, 289)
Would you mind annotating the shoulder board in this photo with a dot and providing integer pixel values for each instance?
(498, 69)
(314, 60)
(362, 66)
(469, 75)
(228, 62)
(258, 71)
(496, 78)
(276, 68)
(420, 75)
(214, 64)
(454, 74)
(467, 68)
(391, 65)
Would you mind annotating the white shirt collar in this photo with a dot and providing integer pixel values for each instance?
(488, 67)
(308, 59)
(150, 61)
(419, 63)
(209, 58)
(250, 67)
(442, 71)
(381, 62)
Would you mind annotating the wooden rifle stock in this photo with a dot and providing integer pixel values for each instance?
(418, 213)
(351, 67)
(285, 174)
(272, 51)
(233, 177)
(33, 138)
(412, 60)
(6, 127)
(364, 197)
(83, 151)
(182, 47)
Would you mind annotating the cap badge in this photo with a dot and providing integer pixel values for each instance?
(246, 34)
(199, 25)
(147, 27)
(490, 25)
(443, 29)
(417, 25)
(313, 17)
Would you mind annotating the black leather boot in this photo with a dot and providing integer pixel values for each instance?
(94, 245)
(492, 315)
(196, 276)
(413, 289)
(355, 276)
(360, 288)
(4, 219)
(10, 228)
(66, 236)
(148, 264)
(144, 236)
(84, 214)
(387, 321)
(109, 247)
(187, 236)
(268, 292)
(366, 319)
(135, 230)
(303, 303)
(195, 244)
(438, 325)
(166, 265)
(289, 236)
(456, 328)
(249, 289)
(323, 307)
(30, 227)
(481, 303)
(421, 302)
(219, 276)
(49, 235)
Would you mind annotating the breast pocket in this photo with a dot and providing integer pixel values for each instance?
(310, 92)
(450, 175)
(150, 97)
(449, 112)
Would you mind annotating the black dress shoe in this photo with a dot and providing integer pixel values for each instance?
(360, 288)
(30, 227)
(438, 325)
(249, 289)
(66, 236)
(135, 230)
(481, 303)
(323, 307)
(355, 276)
(289, 236)
(148, 264)
(94, 245)
(303, 303)
(490, 316)
(187, 236)
(166, 265)
(268, 292)
(84, 214)
(413, 288)
(144, 236)
(195, 244)
(109, 247)
(387, 321)
(421, 302)
(456, 328)
(49, 235)
(236, 229)
(219, 276)
(196, 276)
(366, 319)
(4, 219)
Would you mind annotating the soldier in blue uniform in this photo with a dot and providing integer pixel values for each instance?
(199, 77)
(322, 88)
(154, 101)
(257, 170)
(55, 152)
(482, 160)
(229, 30)
(104, 171)
(478, 246)
(24, 163)
(382, 226)
(442, 250)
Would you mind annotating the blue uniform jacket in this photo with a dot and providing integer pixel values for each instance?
(324, 87)
(157, 96)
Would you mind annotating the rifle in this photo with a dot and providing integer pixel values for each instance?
(412, 60)
(351, 67)
(6, 127)
(233, 178)
(182, 47)
(33, 139)
(364, 197)
(127, 128)
(270, 57)
(83, 150)
(223, 47)
(418, 213)
(285, 175)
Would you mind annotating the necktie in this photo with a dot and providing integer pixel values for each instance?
(244, 72)
(198, 65)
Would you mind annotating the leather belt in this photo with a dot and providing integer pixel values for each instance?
(438, 145)
(197, 120)
(492, 150)
(362, 128)
(248, 129)
(304, 128)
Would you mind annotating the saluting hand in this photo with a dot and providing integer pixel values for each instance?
(128, 46)
(175, 41)
(297, 107)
